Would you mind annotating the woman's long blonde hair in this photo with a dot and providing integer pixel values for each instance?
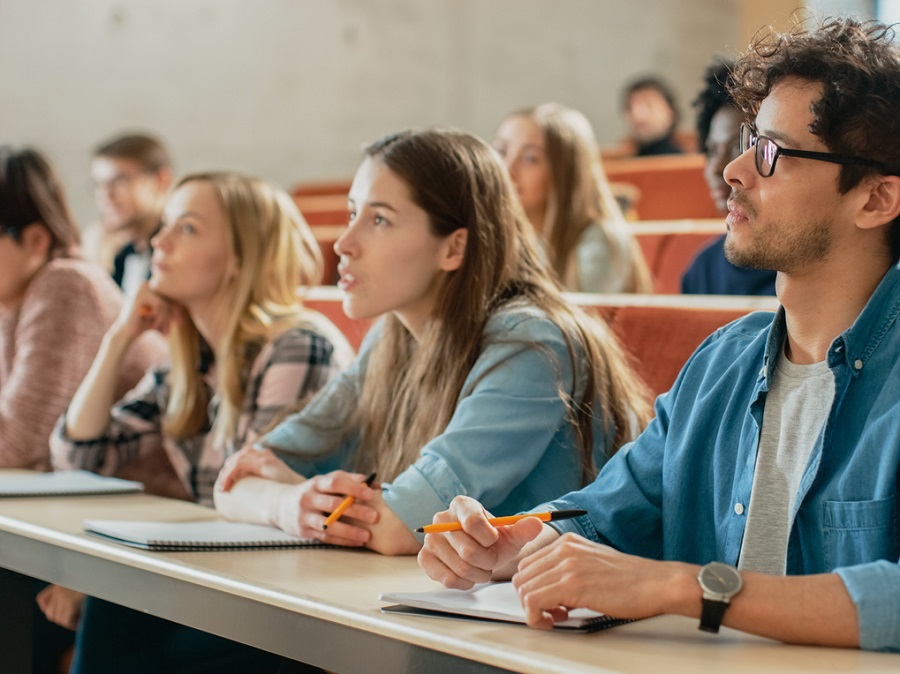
(411, 388)
(581, 197)
(276, 255)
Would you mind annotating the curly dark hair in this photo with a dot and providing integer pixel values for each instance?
(858, 66)
(713, 97)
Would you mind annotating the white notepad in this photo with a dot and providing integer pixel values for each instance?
(195, 536)
(66, 483)
(488, 601)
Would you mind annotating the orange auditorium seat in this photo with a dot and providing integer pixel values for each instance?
(661, 332)
(668, 186)
(669, 247)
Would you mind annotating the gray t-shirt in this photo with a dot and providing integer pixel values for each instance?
(799, 399)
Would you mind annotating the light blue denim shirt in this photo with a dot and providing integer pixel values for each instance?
(508, 444)
(681, 490)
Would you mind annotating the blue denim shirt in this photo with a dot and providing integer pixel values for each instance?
(508, 444)
(681, 490)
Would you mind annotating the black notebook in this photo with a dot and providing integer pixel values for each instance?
(66, 483)
(195, 536)
(488, 601)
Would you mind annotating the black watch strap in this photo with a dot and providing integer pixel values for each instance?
(712, 614)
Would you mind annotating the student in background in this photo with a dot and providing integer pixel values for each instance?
(479, 377)
(719, 134)
(552, 157)
(131, 175)
(54, 309)
(652, 116)
(227, 266)
(765, 490)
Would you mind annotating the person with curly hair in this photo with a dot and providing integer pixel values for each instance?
(763, 496)
(719, 133)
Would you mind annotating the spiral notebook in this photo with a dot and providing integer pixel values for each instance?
(488, 601)
(66, 483)
(195, 536)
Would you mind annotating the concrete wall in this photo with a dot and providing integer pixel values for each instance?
(289, 89)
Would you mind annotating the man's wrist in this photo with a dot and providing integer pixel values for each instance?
(683, 595)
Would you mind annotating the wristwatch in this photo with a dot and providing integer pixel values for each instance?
(719, 582)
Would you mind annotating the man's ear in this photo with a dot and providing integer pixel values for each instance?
(164, 179)
(455, 250)
(36, 240)
(883, 204)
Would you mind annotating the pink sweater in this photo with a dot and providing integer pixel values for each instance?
(47, 346)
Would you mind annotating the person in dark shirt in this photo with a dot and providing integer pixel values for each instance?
(718, 132)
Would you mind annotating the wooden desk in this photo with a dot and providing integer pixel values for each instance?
(321, 606)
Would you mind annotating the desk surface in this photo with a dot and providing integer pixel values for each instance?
(322, 605)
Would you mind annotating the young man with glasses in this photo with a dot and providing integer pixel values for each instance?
(131, 176)
(764, 495)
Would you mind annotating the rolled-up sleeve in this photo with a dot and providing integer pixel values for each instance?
(875, 590)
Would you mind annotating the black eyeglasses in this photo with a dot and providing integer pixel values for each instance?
(768, 152)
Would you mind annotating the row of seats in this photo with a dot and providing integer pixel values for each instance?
(660, 332)
(668, 247)
(667, 187)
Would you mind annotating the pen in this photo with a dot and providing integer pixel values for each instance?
(346, 503)
(504, 521)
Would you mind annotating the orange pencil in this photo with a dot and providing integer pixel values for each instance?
(346, 503)
(504, 521)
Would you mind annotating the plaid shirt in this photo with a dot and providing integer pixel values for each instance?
(286, 370)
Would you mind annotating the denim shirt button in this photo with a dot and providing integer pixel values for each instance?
(857, 364)
(739, 508)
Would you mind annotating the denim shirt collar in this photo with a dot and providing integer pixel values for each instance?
(853, 347)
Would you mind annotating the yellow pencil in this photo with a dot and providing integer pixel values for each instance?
(346, 503)
(504, 521)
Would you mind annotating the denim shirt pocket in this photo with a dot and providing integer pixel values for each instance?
(858, 532)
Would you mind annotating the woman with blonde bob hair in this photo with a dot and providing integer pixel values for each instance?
(227, 266)
(479, 378)
(552, 156)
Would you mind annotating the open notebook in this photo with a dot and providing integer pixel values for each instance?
(195, 536)
(65, 483)
(488, 601)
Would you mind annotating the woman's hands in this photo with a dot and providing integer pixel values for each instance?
(259, 462)
(303, 508)
(293, 503)
(147, 311)
(61, 605)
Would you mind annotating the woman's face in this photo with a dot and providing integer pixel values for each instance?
(520, 142)
(193, 258)
(20, 260)
(722, 146)
(390, 259)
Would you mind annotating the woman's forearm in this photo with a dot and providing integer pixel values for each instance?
(88, 413)
(257, 500)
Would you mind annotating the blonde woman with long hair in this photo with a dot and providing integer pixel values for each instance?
(479, 378)
(227, 266)
(552, 156)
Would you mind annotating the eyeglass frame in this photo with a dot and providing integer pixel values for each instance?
(750, 133)
(117, 182)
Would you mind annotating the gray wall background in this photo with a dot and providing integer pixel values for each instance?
(289, 89)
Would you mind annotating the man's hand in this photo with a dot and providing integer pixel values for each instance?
(573, 572)
(479, 552)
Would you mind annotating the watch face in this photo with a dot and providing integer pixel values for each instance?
(720, 578)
